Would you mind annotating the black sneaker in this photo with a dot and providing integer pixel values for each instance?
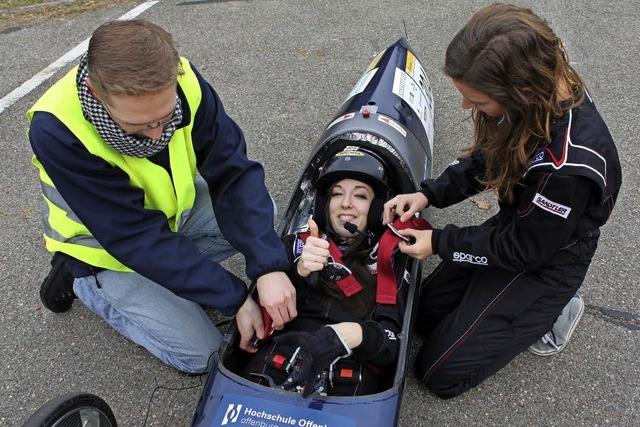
(56, 291)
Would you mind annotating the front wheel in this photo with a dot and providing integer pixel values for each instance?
(73, 410)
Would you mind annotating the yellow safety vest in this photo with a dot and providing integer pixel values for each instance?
(63, 231)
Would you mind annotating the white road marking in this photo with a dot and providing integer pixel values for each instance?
(61, 62)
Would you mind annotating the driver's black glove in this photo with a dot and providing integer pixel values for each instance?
(312, 356)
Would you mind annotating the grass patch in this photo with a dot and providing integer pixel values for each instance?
(10, 4)
(46, 13)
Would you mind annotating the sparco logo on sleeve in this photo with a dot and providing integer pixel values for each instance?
(549, 206)
(471, 259)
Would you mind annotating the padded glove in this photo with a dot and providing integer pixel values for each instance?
(313, 354)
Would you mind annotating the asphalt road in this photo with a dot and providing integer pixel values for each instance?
(283, 69)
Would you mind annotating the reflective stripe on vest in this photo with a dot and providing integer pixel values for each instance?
(175, 198)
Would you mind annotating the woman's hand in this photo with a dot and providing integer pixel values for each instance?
(314, 254)
(422, 248)
(249, 321)
(349, 332)
(405, 206)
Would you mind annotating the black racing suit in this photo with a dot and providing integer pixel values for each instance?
(381, 325)
(502, 284)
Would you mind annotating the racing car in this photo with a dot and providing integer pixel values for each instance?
(389, 112)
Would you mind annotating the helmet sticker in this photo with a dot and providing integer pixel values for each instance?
(350, 150)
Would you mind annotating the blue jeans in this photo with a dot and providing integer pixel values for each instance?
(174, 329)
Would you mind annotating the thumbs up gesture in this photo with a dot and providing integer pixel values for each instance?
(313, 228)
(314, 254)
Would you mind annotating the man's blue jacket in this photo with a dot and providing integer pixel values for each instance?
(113, 210)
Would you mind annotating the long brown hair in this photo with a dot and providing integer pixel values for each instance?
(515, 58)
(134, 57)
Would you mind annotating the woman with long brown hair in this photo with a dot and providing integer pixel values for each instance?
(542, 146)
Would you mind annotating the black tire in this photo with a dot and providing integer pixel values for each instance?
(73, 410)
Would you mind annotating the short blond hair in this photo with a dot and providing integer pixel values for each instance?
(134, 57)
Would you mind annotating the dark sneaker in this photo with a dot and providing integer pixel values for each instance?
(554, 341)
(56, 291)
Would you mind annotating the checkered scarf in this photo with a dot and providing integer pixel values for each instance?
(110, 131)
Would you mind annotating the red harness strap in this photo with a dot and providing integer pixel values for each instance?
(349, 285)
(387, 286)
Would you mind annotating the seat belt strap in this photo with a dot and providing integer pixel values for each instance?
(387, 286)
(349, 285)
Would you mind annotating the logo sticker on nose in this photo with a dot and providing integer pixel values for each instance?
(231, 416)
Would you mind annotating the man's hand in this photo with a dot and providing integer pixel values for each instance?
(249, 321)
(278, 297)
(405, 206)
(422, 248)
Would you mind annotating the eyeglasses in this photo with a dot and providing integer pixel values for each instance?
(134, 129)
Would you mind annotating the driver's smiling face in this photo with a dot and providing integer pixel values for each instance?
(349, 201)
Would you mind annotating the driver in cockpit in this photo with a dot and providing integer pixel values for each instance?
(345, 339)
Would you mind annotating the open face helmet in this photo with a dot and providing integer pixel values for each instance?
(354, 163)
